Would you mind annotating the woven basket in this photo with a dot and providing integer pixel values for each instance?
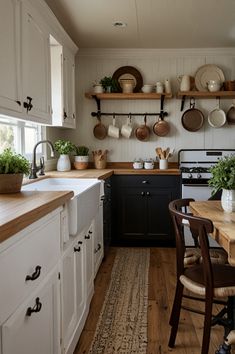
(229, 85)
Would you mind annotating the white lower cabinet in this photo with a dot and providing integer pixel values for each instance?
(46, 295)
(98, 239)
(73, 291)
(35, 326)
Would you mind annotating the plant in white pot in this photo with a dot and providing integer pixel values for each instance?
(12, 168)
(64, 148)
(81, 157)
(223, 178)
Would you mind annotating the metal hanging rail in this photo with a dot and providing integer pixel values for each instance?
(99, 114)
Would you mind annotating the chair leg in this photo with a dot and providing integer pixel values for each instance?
(207, 325)
(175, 313)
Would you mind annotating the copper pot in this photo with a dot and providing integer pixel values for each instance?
(142, 132)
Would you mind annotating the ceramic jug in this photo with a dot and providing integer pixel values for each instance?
(184, 81)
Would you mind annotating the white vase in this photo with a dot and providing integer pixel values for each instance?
(228, 200)
(63, 163)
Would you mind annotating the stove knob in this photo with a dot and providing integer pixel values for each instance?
(199, 175)
(190, 175)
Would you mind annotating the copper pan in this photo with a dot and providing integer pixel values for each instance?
(161, 127)
(99, 131)
(192, 119)
(142, 132)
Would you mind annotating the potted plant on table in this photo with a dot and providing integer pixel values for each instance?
(64, 148)
(81, 157)
(223, 178)
(12, 168)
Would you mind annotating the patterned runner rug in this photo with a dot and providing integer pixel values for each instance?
(122, 325)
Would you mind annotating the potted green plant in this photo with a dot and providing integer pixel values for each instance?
(64, 148)
(81, 158)
(12, 168)
(109, 84)
(223, 178)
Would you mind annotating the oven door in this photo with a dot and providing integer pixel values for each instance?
(197, 192)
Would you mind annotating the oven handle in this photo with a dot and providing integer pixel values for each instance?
(195, 185)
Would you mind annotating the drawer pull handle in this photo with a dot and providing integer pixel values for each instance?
(80, 242)
(87, 237)
(145, 182)
(35, 274)
(148, 194)
(77, 249)
(37, 307)
(142, 194)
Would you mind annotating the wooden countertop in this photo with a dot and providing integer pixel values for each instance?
(18, 210)
(105, 173)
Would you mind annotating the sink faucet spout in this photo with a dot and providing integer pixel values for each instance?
(34, 168)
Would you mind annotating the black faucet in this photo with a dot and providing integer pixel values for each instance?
(34, 168)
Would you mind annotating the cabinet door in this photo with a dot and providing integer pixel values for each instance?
(10, 93)
(68, 295)
(36, 65)
(39, 332)
(69, 89)
(132, 213)
(89, 262)
(158, 221)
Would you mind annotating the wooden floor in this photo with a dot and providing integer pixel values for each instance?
(161, 293)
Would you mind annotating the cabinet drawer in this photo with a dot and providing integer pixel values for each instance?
(147, 181)
(36, 246)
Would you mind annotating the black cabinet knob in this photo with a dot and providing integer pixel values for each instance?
(142, 194)
(148, 194)
(77, 249)
(87, 237)
(145, 182)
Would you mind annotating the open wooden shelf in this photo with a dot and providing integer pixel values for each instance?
(206, 94)
(128, 96)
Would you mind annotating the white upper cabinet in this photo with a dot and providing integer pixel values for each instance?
(26, 90)
(10, 88)
(62, 85)
(36, 66)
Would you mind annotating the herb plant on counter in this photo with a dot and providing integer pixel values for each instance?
(12, 163)
(64, 147)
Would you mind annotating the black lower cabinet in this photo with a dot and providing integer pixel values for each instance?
(140, 210)
(107, 213)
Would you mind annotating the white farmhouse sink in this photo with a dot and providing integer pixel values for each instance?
(83, 207)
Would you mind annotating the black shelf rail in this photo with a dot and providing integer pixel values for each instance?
(99, 113)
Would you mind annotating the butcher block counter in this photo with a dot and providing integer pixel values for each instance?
(18, 210)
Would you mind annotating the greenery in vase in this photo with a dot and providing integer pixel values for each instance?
(81, 151)
(12, 163)
(64, 147)
(108, 81)
(223, 174)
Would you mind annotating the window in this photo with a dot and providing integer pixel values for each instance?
(21, 136)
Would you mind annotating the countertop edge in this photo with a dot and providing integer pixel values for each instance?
(28, 216)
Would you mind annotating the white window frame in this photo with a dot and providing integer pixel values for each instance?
(20, 138)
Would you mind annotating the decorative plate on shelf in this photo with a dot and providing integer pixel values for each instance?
(128, 72)
(208, 72)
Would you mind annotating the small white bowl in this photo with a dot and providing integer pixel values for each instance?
(147, 88)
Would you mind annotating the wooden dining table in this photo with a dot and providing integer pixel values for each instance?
(224, 224)
(224, 234)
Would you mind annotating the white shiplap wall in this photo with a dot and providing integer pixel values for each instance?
(154, 65)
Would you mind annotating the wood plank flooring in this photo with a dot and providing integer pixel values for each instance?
(161, 294)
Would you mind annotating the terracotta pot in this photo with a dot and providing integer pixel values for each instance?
(81, 162)
(11, 183)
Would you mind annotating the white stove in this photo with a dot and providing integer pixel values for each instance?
(195, 167)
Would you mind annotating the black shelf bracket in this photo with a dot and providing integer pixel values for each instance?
(99, 114)
(182, 103)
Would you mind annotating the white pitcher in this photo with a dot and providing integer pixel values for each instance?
(184, 81)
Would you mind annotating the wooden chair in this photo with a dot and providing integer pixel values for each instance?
(192, 254)
(207, 279)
